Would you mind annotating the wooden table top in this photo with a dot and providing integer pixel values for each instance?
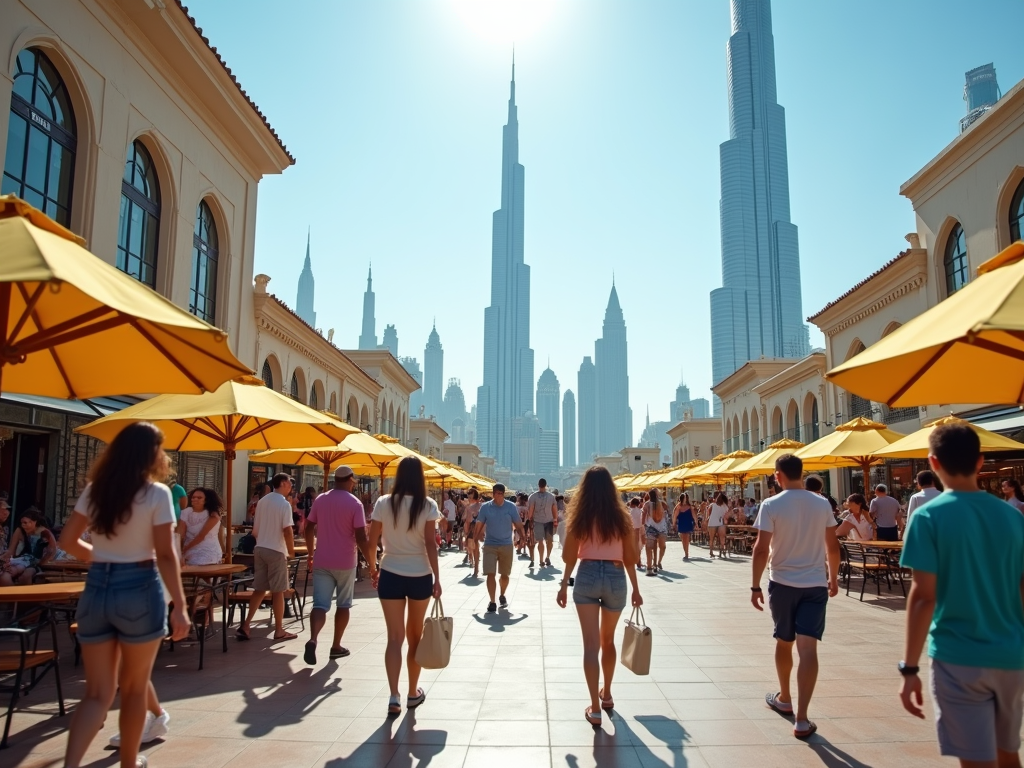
(41, 593)
(65, 565)
(220, 569)
(877, 544)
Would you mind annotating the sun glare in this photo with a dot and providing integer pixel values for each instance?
(504, 21)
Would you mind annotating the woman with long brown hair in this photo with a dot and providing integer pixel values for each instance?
(599, 533)
(122, 614)
(406, 577)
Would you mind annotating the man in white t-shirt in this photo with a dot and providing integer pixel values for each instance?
(451, 512)
(926, 482)
(542, 511)
(796, 538)
(275, 543)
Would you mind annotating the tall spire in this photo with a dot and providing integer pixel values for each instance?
(304, 296)
(368, 335)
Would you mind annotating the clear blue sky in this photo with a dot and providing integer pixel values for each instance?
(394, 110)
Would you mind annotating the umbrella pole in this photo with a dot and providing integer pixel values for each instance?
(327, 469)
(229, 454)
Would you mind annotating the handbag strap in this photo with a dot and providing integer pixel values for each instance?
(437, 611)
(642, 622)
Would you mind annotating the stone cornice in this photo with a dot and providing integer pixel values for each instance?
(805, 369)
(694, 425)
(749, 375)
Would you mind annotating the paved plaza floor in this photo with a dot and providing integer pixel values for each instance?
(514, 694)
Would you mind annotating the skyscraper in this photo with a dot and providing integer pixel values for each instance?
(433, 375)
(391, 340)
(757, 311)
(412, 367)
(548, 395)
(586, 420)
(568, 429)
(368, 338)
(304, 299)
(507, 391)
(981, 92)
(614, 417)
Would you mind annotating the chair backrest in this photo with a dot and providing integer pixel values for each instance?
(293, 571)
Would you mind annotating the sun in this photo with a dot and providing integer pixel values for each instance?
(504, 21)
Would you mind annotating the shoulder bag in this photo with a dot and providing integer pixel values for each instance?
(435, 648)
(636, 644)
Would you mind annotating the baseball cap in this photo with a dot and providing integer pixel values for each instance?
(343, 473)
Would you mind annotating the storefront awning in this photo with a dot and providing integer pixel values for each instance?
(1006, 421)
(92, 408)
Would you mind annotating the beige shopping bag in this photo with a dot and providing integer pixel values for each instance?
(435, 648)
(636, 644)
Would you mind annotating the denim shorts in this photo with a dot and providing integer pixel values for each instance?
(328, 580)
(600, 582)
(123, 602)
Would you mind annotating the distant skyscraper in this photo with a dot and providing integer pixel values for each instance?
(433, 375)
(614, 417)
(525, 446)
(304, 300)
(391, 340)
(569, 429)
(757, 311)
(586, 419)
(507, 391)
(683, 408)
(547, 463)
(981, 92)
(454, 410)
(368, 338)
(548, 394)
(412, 367)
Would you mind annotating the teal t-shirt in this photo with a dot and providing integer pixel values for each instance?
(177, 494)
(499, 522)
(974, 544)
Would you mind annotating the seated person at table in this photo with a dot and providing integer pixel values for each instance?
(32, 544)
(858, 525)
(199, 528)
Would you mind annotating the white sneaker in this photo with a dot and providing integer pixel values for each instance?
(155, 728)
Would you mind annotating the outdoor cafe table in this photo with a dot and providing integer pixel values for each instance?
(878, 544)
(210, 573)
(42, 593)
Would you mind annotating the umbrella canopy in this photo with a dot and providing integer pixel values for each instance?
(764, 462)
(725, 466)
(359, 450)
(854, 444)
(966, 349)
(241, 414)
(621, 481)
(684, 471)
(915, 445)
(64, 310)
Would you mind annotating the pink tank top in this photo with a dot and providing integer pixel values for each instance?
(601, 550)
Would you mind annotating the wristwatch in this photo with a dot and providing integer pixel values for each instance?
(906, 670)
(755, 589)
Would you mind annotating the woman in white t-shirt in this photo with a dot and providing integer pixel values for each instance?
(407, 575)
(858, 525)
(122, 613)
(199, 528)
(716, 524)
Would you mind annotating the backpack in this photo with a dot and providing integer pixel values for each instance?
(247, 544)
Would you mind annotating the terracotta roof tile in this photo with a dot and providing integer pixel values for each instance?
(859, 285)
(256, 109)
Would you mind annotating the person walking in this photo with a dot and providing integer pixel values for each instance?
(796, 538)
(495, 522)
(122, 613)
(469, 516)
(636, 515)
(886, 513)
(336, 530)
(407, 575)
(716, 525)
(542, 511)
(275, 544)
(655, 531)
(447, 521)
(965, 600)
(599, 535)
(684, 523)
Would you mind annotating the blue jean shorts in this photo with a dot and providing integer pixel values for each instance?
(123, 602)
(600, 582)
(328, 580)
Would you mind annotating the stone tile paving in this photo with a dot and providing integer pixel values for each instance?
(514, 692)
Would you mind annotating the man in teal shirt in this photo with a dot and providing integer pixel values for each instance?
(966, 549)
(179, 496)
(499, 518)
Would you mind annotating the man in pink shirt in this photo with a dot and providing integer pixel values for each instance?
(337, 516)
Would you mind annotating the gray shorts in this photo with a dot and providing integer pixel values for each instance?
(543, 531)
(328, 582)
(270, 570)
(977, 710)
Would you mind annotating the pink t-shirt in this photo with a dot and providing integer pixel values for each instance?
(337, 514)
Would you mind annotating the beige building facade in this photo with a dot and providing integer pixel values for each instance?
(696, 439)
(745, 419)
(396, 388)
(426, 436)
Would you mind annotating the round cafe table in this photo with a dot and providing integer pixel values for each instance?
(42, 593)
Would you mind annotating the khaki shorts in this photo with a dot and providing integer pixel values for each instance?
(498, 557)
(270, 569)
(977, 710)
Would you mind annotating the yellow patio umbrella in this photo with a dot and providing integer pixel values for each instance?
(359, 450)
(968, 348)
(64, 312)
(854, 444)
(764, 462)
(915, 445)
(621, 481)
(726, 467)
(683, 472)
(242, 414)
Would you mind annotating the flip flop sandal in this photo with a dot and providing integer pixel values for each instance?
(782, 707)
(240, 635)
(285, 636)
(340, 653)
(803, 733)
(594, 718)
(394, 705)
(606, 704)
(309, 655)
(414, 701)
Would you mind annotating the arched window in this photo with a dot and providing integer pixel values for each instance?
(202, 300)
(140, 216)
(1017, 213)
(955, 260)
(312, 399)
(268, 374)
(40, 162)
(294, 389)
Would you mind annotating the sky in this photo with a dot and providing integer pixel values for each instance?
(394, 108)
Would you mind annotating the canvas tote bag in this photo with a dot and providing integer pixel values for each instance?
(435, 648)
(636, 644)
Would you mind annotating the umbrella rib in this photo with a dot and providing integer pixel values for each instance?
(242, 368)
(163, 350)
(36, 319)
(212, 433)
(30, 306)
(919, 373)
(71, 330)
(992, 346)
(258, 429)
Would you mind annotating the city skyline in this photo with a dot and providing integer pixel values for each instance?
(623, 161)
